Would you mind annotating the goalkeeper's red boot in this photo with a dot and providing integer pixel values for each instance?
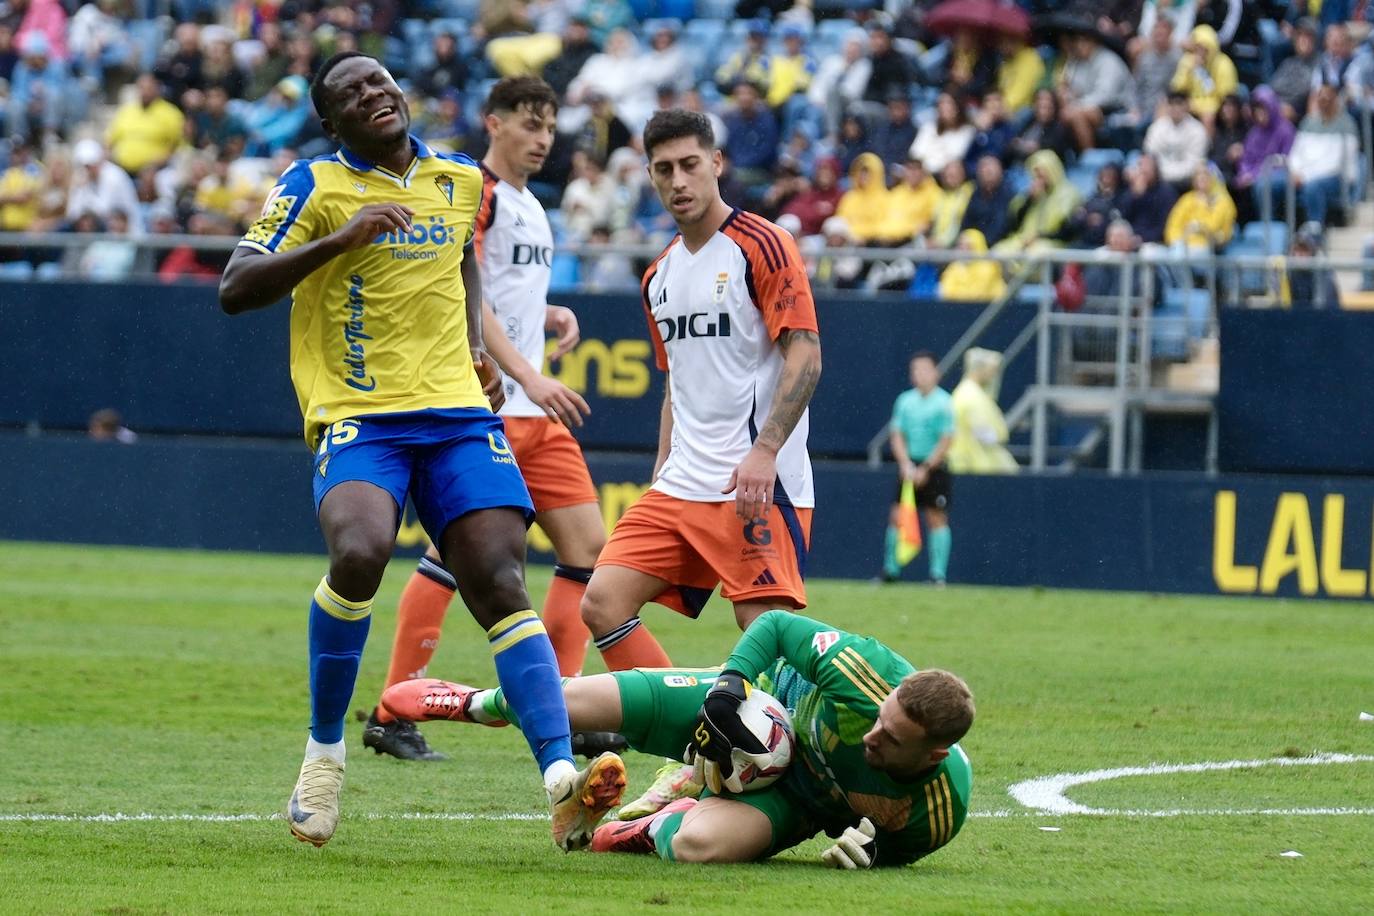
(635, 835)
(427, 698)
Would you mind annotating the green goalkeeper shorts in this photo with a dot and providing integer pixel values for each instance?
(659, 708)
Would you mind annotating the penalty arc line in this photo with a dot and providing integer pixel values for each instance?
(1045, 794)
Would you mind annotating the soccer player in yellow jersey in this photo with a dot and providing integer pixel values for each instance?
(373, 244)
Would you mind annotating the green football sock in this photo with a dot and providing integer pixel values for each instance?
(491, 706)
(667, 829)
(939, 540)
(890, 565)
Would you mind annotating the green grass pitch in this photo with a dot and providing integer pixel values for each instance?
(173, 684)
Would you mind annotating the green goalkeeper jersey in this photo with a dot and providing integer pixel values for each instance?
(832, 683)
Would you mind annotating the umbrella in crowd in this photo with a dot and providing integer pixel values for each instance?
(1052, 26)
(978, 16)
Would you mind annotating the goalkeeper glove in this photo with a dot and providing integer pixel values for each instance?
(722, 746)
(856, 848)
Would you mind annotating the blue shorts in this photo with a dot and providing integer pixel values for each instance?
(451, 462)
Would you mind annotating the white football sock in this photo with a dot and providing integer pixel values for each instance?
(556, 771)
(334, 752)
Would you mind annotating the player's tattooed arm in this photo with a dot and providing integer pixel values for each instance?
(801, 371)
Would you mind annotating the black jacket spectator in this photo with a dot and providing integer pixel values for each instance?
(577, 50)
(891, 137)
(891, 69)
(989, 209)
(449, 71)
(1045, 131)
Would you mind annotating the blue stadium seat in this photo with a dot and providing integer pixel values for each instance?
(676, 9)
(16, 270)
(1277, 235)
(642, 9)
(458, 9)
(564, 273)
(706, 30)
(1183, 316)
(1095, 159)
(147, 36)
(715, 9)
(1084, 178)
(649, 26)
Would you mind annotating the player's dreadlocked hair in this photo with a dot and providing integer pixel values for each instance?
(939, 702)
(516, 92)
(317, 93)
(675, 123)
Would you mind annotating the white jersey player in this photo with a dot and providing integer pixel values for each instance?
(733, 324)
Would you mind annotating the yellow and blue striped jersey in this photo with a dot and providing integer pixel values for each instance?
(382, 329)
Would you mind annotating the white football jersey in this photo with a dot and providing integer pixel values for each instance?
(714, 319)
(514, 250)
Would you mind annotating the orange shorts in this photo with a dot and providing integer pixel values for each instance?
(695, 546)
(551, 461)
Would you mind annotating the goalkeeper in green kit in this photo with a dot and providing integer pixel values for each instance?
(876, 765)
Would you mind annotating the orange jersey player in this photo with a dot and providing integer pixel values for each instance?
(733, 324)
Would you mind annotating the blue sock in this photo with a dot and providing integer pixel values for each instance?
(530, 683)
(338, 630)
(939, 540)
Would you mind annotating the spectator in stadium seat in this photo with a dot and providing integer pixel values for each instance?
(994, 132)
(100, 187)
(972, 67)
(1205, 74)
(1102, 280)
(443, 123)
(604, 131)
(1228, 146)
(839, 271)
(215, 125)
(1338, 51)
(303, 57)
(912, 203)
(610, 270)
(989, 209)
(974, 280)
(866, 206)
(1094, 84)
(841, 80)
(1088, 225)
(52, 199)
(99, 42)
(449, 70)
(577, 49)
(1178, 141)
(1292, 79)
(219, 69)
(181, 70)
(955, 193)
(891, 68)
(1204, 219)
(1271, 134)
(614, 74)
(790, 72)
(817, 203)
(9, 52)
(39, 86)
(46, 18)
(1041, 214)
(892, 137)
(945, 138)
(1325, 154)
(1149, 200)
(21, 187)
(1154, 70)
(605, 16)
(749, 62)
(1181, 13)
(753, 143)
(589, 199)
(852, 140)
(690, 99)
(1045, 131)
(266, 59)
(276, 120)
(1019, 74)
(665, 62)
(147, 130)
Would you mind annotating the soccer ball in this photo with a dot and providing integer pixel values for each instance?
(767, 718)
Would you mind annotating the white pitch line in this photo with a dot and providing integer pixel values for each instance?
(460, 816)
(1045, 794)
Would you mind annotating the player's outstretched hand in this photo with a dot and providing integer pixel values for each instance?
(752, 484)
(854, 849)
(489, 374)
(561, 320)
(372, 221)
(560, 402)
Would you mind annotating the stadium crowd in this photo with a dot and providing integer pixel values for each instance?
(1115, 124)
